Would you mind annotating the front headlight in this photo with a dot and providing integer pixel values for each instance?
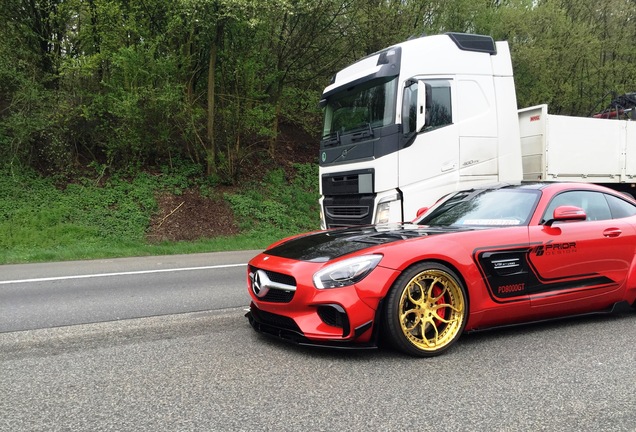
(346, 272)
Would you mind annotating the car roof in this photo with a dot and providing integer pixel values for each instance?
(553, 188)
(556, 186)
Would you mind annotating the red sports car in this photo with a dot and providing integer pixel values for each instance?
(477, 259)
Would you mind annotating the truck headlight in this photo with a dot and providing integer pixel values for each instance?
(389, 210)
(383, 213)
(323, 221)
(347, 272)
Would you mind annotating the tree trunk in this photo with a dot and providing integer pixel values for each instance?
(211, 151)
(275, 129)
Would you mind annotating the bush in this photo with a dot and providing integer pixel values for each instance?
(289, 206)
(81, 219)
(110, 217)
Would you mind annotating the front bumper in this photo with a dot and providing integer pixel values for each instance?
(303, 314)
(284, 328)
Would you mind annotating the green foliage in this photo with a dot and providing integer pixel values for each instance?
(92, 219)
(568, 54)
(80, 220)
(127, 84)
(285, 205)
(36, 215)
(127, 87)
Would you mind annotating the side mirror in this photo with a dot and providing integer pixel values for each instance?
(424, 102)
(420, 212)
(567, 213)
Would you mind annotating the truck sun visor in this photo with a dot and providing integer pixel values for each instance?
(472, 42)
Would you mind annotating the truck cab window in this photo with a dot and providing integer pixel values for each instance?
(439, 112)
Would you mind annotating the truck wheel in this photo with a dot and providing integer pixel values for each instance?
(426, 310)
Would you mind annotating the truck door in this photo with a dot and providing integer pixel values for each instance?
(428, 164)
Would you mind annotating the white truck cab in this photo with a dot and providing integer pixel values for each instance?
(413, 122)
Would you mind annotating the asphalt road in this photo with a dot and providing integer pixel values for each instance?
(207, 370)
(56, 294)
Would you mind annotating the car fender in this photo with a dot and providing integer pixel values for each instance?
(449, 252)
(630, 284)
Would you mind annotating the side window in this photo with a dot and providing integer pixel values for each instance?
(437, 115)
(440, 113)
(594, 204)
(620, 208)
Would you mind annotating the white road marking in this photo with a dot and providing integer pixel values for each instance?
(98, 275)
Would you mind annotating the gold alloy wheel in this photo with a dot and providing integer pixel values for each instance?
(432, 310)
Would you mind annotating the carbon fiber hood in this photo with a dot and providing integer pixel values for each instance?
(327, 245)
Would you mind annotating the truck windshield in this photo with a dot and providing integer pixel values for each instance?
(367, 105)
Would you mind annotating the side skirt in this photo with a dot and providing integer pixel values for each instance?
(617, 308)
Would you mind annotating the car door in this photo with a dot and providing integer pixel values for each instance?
(580, 265)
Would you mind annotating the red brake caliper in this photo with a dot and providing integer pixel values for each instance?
(440, 312)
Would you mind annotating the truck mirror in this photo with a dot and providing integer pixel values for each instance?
(424, 102)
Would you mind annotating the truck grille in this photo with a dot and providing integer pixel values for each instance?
(357, 212)
(344, 211)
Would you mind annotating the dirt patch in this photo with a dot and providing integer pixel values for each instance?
(191, 216)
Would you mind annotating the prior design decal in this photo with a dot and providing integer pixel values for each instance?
(509, 273)
(550, 248)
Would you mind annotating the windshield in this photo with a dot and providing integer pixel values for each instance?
(363, 106)
(491, 207)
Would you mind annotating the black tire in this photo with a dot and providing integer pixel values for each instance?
(426, 310)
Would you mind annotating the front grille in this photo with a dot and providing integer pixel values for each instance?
(278, 296)
(281, 278)
(275, 294)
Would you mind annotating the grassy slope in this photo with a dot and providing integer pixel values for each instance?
(83, 220)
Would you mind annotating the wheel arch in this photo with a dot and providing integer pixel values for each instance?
(445, 263)
(630, 284)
